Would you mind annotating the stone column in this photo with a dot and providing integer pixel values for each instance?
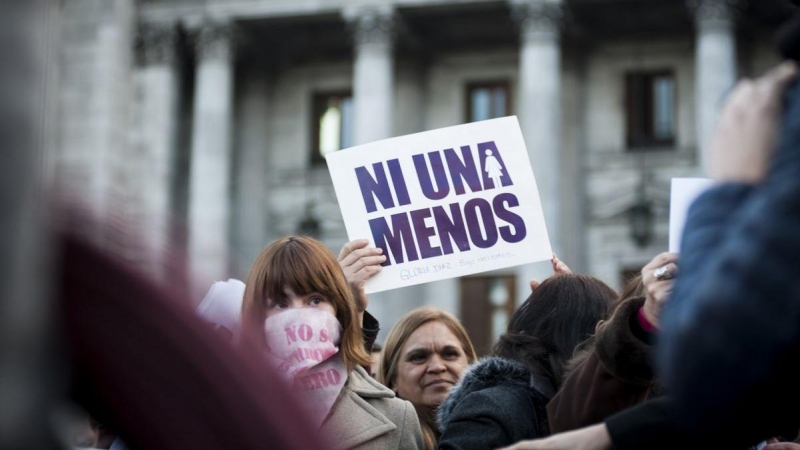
(373, 101)
(715, 63)
(158, 117)
(373, 72)
(209, 178)
(251, 193)
(540, 112)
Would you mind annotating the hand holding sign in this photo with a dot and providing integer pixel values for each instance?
(559, 268)
(657, 287)
(360, 262)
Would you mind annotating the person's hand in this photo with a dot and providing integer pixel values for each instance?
(360, 263)
(595, 437)
(657, 278)
(741, 146)
(559, 268)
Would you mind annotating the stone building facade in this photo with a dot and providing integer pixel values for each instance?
(209, 117)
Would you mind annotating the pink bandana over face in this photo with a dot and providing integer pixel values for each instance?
(303, 346)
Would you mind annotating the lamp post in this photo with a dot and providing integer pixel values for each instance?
(640, 216)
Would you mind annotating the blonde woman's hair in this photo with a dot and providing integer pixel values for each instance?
(390, 356)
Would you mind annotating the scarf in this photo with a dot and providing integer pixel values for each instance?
(303, 346)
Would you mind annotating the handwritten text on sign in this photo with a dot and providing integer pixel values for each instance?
(460, 200)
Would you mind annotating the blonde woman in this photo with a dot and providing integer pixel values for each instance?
(423, 358)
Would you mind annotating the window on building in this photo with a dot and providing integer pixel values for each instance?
(650, 101)
(487, 304)
(487, 101)
(332, 124)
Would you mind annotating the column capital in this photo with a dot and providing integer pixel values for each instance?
(371, 24)
(538, 19)
(157, 43)
(214, 40)
(712, 11)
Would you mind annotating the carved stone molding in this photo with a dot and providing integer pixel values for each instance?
(372, 25)
(715, 11)
(157, 44)
(538, 19)
(215, 40)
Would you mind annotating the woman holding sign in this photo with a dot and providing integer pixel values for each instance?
(299, 312)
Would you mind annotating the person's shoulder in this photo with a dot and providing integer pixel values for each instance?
(483, 383)
(363, 385)
(376, 394)
(495, 416)
(506, 397)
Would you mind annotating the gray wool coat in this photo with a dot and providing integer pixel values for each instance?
(368, 415)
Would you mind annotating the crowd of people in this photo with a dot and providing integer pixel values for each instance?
(700, 349)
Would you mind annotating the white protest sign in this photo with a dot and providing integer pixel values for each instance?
(443, 203)
(684, 192)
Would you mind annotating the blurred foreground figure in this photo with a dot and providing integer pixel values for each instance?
(730, 347)
(143, 364)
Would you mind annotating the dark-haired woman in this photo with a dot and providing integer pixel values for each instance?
(502, 399)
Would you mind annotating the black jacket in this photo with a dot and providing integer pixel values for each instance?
(494, 405)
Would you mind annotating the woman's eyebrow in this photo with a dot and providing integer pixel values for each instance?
(418, 350)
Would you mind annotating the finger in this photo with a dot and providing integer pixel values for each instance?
(368, 272)
(743, 92)
(772, 86)
(660, 293)
(367, 261)
(360, 253)
(351, 246)
(660, 260)
(534, 284)
(672, 270)
(650, 280)
(781, 76)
